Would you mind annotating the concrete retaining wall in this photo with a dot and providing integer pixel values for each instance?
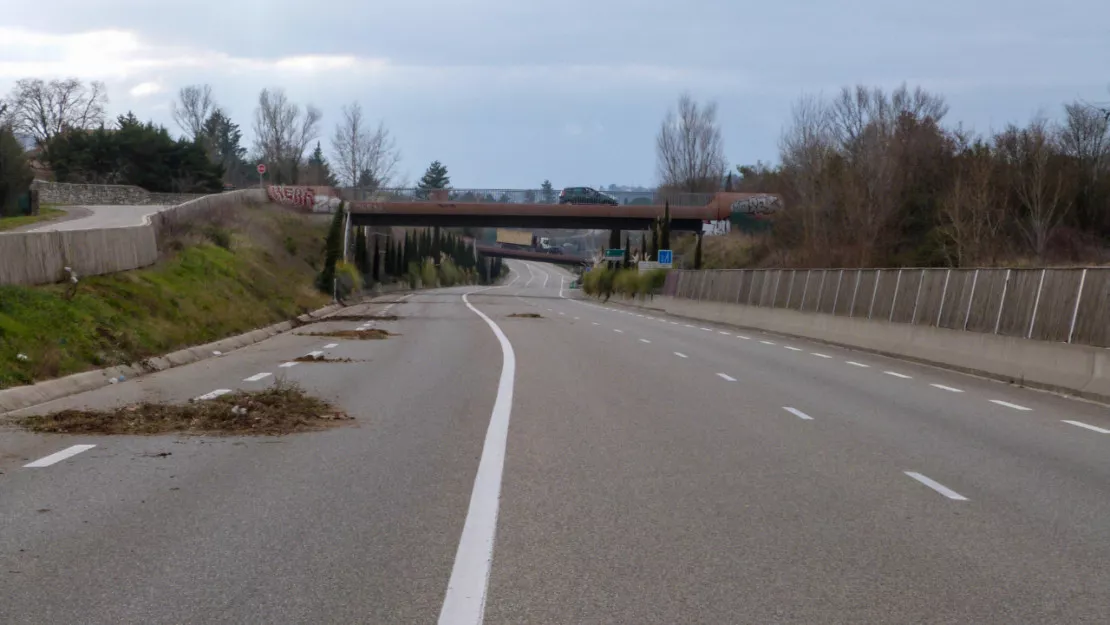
(68, 194)
(1076, 369)
(40, 257)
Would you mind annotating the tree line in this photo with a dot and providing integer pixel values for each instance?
(875, 178)
(65, 124)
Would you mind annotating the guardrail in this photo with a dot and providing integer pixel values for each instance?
(1070, 305)
(514, 196)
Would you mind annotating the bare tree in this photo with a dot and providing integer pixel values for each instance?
(1085, 138)
(362, 154)
(1037, 182)
(282, 133)
(44, 109)
(689, 151)
(806, 149)
(191, 110)
(971, 215)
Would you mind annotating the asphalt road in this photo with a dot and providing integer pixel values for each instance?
(597, 465)
(92, 217)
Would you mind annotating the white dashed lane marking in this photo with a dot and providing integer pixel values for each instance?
(946, 388)
(793, 349)
(1009, 405)
(214, 394)
(821, 355)
(726, 377)
(898, 375)
(331, 346)
(1088, 426)
(256, 377)
(857, 364)
(680, 355)
(286, 365)
(644, 341)
(937, 486)
(57, 457)
(798, 413)
(767, 342)
(618, 331)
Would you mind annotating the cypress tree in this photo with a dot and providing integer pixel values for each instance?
(655, 241)
(697, 253)
(362, 254)
(665, 228)
(376, 261)
(333, 247)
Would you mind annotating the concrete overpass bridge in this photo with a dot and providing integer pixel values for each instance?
(494, 251)
(490, 208)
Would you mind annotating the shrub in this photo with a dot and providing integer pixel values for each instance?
(428, 274)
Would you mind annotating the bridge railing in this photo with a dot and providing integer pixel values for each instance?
(515, 196)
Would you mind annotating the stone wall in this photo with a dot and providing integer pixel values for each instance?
(67, 194)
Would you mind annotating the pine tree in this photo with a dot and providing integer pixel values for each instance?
(665, 228)
(318, 171)
(697, 253)
(434, 178)
(333, 250)
(547, 192)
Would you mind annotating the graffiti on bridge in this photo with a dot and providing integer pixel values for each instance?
(757, 205)
(306, 197)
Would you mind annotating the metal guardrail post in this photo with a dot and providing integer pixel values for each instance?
(790, 291)
(943, 294)
(775, 295)
(1002, 302)
(740, 287)
(917, 298)
(1036, 305)
(751, 292)
(821, 291)
(874, 292)
(855, 291)
(836, 296)
(970, 298)
(805, 289)
(1078, 298)
(894, 299)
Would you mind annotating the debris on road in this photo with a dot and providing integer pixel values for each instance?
(527, 315)
(282, 409)
(359, 318)
(362, 335)
(320, 358)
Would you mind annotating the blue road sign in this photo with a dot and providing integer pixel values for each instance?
(665, 257)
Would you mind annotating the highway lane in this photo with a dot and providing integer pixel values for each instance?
(651, 475)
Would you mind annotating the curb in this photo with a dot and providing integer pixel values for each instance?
(33, 394)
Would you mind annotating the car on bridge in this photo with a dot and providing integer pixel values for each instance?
(586, 195)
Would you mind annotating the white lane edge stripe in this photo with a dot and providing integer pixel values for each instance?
(1009, 405)
(465, 600)
(57, 457)
(727, 377)
(937, 486)
(946, 388)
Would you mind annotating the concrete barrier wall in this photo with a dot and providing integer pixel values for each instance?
(1060, 305)
(1077, 369)
(40, 257)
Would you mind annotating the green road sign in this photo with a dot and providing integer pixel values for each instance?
(614, 254)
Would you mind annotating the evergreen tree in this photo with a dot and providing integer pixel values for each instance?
(376, 261)
(728, 182)
(434, 178)
(436, 244)
(388, 257)
(654, 252)
(362, 254)
(627, 250)
(366, 180)
(333, 250)
(318, 171)
(665, 228)
(222, 139)
(15, 172)
(547, 192)
(697, 253)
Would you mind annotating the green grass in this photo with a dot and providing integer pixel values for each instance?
(202, 292)
(45, 214)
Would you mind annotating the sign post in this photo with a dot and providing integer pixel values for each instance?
(261, 170)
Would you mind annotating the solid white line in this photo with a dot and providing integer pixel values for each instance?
(898, 375)
(724, 333)
(797, 413)
(619, 331)
(286, 365)
(644, 341)
(1009, 405)
(331, 345)
(546, 277)
(214, 394)
(726, 377)
(465, 601)
(681, 355)
(946, 388)
(793, 349)
(1089, 427)
(937, 486)
(767, 342)
(857, 364)
(57, 457)
(821, 355)
(256, 377)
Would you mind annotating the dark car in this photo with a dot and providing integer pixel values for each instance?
(586, 195)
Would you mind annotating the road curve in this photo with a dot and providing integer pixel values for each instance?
(95, 217)
(647, 469)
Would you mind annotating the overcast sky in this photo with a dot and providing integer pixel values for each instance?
(509, 92)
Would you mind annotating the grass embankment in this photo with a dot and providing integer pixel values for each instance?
(239, 271)
(45, 214)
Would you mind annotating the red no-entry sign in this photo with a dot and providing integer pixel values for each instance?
(261, 169)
